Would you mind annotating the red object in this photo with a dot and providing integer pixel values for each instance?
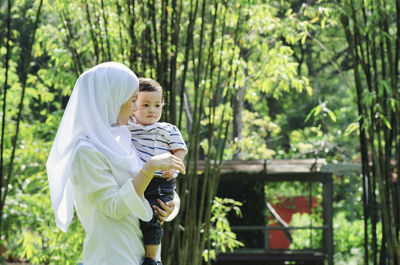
(285, 209)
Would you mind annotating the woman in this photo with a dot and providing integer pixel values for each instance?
(93, 167)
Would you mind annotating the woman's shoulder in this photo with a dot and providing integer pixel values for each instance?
(88, 152)
(87, 149)
(85, 145)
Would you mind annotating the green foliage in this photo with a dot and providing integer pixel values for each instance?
(255, 130)
(326, 136)
(305, 238)
(33, 234)
(284, 54)
(348, 224)
(369, 28)
(221, 236)
(349, 240)
(275, 191)
(320, 112)
(348, 237)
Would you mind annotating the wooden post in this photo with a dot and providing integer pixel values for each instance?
(327, 194)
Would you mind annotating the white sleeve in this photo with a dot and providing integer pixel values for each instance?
(93, 174)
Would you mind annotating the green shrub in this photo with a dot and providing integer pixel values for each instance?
(33, 234)
(221, 237)
(348, 238)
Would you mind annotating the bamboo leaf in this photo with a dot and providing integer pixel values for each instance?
(315, 19)
(314, 112)
(331, 115)
(385, 120)
(304, 38)
(394, 104)
(323, 23)
(351, 128)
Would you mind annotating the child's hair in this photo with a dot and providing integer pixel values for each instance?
(148, 84)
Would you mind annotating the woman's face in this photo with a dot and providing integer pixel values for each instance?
(127, 109)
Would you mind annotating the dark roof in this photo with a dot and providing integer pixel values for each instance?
(277, 165)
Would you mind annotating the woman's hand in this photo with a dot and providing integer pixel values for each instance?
(163, 162)
(167, 209)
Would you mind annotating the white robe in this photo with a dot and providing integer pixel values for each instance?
(108, 208)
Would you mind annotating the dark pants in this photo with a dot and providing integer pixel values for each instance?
(162, 189)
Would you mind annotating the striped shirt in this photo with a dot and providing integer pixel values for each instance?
(155, 139)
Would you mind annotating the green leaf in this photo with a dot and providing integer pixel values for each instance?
(331, 115)
(304, 38)
(385, 120)
(314, 112)
(323, 22)
(351, 128)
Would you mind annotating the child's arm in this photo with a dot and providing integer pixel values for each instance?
(171, 173)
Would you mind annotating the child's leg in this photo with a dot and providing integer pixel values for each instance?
(151, 251)
(152, 230)
(152, 233)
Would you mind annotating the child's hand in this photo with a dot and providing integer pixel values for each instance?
(170, 174)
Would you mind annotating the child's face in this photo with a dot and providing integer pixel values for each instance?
(149, 107)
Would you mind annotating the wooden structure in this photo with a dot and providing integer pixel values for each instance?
(255, 174)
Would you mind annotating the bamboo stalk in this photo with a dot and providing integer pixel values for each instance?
(131, 31)
(121, 24)
(393, 78)
(75, 56)
(3, 188)
(189, 40)
(147, 51)
(162, 74)
(363, 138)
(99, 31)
(222, 134)
(205, 202)
(175, 22)
(396, 116)
(92, 33)
(103, 11)
(211, 125)
(152, 9)
(187, 183)
(380, 138)
(195, 234)
(365, 66)
(397, 50)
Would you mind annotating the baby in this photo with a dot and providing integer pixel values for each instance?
(150, 138)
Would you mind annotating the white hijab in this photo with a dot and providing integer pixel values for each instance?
(91, 112)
